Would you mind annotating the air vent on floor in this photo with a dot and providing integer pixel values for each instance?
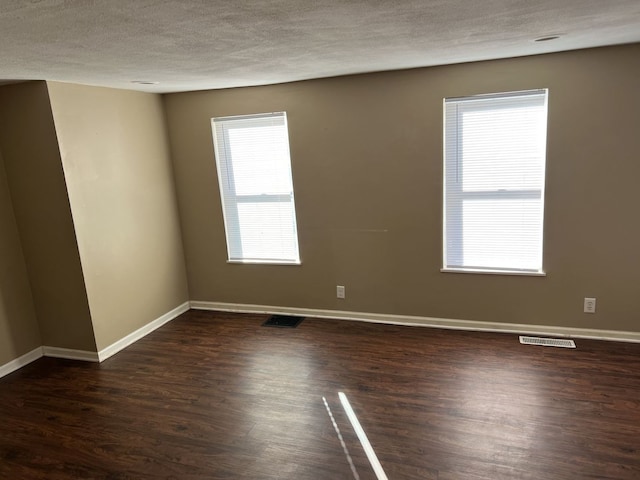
(548, 342)
(283, 321)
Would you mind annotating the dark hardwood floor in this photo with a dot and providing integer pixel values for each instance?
(217, 396)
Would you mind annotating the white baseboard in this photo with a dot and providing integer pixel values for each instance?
(88, 356)
(471, 325)
(544, 330)
(70, 354)
(20, 362)
(133, 337)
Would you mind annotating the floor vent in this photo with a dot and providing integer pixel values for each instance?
(547, 342)
(283, 321)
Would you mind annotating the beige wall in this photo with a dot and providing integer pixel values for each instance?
(367, 165)
(118, 172)
(19, 331)
(41, 207)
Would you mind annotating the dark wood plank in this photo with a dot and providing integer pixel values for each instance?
(215, 395)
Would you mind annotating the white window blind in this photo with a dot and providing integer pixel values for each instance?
(494, 166)
(254, 172)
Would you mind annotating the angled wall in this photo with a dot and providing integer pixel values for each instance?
(19, 332)
(119, 177)
(43, 216)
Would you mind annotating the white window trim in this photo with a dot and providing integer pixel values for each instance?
(523, 273)
(537, 193)
(232, 200)
(258, 261)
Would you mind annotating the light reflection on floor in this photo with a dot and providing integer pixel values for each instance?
(342, 443)
(362, 437)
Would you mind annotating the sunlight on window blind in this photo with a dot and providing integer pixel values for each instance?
(254, 172)
(494, 166)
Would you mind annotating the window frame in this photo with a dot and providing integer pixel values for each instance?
(448, 225)
(230, 199)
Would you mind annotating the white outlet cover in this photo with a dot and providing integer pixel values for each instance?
(589, 305)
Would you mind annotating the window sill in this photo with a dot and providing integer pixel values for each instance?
(263, 262)
(494, 272)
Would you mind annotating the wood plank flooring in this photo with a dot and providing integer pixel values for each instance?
(217, 396)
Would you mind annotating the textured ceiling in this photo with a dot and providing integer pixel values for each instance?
(192, 45)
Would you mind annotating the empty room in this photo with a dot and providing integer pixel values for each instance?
(320, 240)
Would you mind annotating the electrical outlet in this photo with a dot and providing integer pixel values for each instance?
(589, 305)
(340, 291)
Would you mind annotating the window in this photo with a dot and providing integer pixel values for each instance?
(254, 171)
(494, 165)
